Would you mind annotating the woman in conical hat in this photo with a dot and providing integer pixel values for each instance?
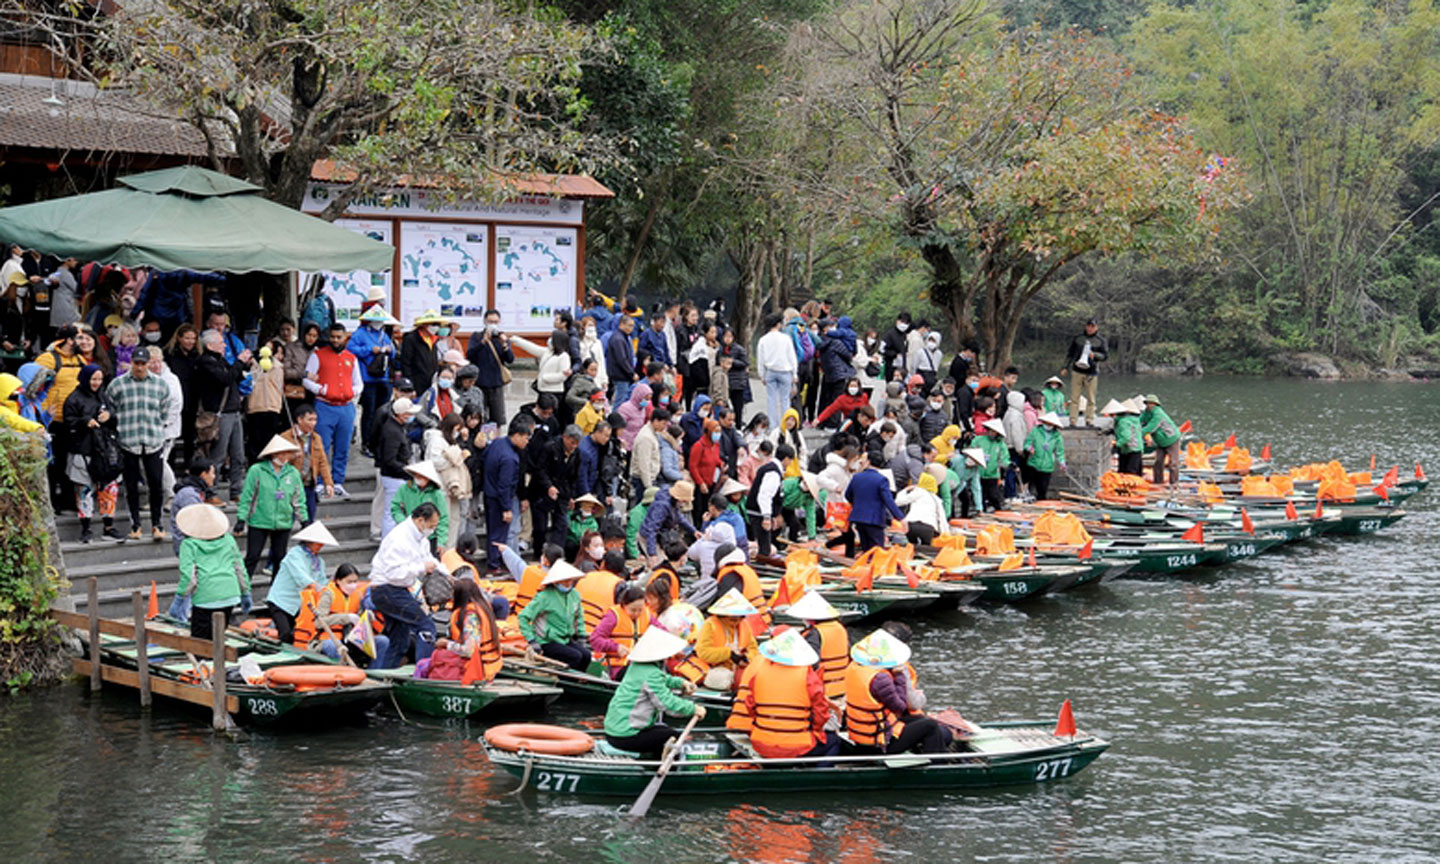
(212, 572)
(879, 716)
(634, 720)
(554, 623)
(302, 568)
(726, 641)
(271, 503)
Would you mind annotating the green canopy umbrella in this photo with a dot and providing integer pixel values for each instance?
(190, 218)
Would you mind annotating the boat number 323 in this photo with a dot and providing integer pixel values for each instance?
(546, 781)
(1052, 770)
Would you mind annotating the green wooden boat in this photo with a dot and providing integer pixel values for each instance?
(1024, 583)
(879, 602)
(1365, 520)
(1001, 754)
(453, 699)
(595, 685)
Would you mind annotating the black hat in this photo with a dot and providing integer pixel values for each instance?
(915, 404)
(404, 384)
(1091, 322)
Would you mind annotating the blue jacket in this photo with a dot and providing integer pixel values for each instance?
(737, 524)
(166, 296)
(502, 471)
(480, 355)
(664, 513)
(871, 502)
(588, 470)
(693, 422)
(604, 319)
(835, 356)
(363, 343)
(619, 357)
(845, 329)
(653, 343)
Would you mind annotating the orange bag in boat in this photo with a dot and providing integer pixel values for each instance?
(1336, 490)
(1360, 478)
(952, 557)
(1283, 484)
(995, 540)
(1059, 529)
(947, 541)
(1258, 487)
(1211, 493)
(1238, 460)
(1196, 455)
(1011, 562)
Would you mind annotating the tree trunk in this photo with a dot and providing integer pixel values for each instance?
(951, 291)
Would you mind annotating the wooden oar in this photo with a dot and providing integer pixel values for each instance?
(539, 658)
(642, 804)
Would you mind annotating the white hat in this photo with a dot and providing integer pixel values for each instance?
(812, 607)
(1049, 417)
(731, 486)
(734, 556)
(376, 294)
(789, 649)
(378, 314)
(1114, 407)
(1136, 404)
(587, 498)
(812, 483)
(975, 454)
(453, 358)
(561, 571)
(277, 446)
(404, 406)
(315, 532)
(202, 521)
(732, 604)
(656, 644)
(880, 650)
(1055, 379)
(994, 424)
(424, 468)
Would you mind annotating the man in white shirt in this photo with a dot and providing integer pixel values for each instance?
(403, 557)
(775, 355)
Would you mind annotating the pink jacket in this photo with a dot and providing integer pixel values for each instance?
(635, 416)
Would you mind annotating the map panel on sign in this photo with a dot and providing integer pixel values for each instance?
(444, 266)
(535, 275)
(348, 290)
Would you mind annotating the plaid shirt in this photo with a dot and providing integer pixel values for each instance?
(140, 411)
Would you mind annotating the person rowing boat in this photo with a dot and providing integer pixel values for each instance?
(634, 720)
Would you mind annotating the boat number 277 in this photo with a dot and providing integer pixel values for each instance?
(1052, 770)
(546, 781)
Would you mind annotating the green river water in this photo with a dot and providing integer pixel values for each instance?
(1285, 709)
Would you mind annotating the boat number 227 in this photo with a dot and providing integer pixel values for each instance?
(1052, 770)
(545, 781)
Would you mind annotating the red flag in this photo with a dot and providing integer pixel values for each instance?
(1066, 723)
(782, 594)
(1382, 491)
(1086, 550)
(1419, 472)
(1265, 453)
(1372, 461)
(1231, 442)
(911, 577)
(1185, 428)
(1392, 477)
(1245, 523)
(1290, 513)
(866, 580)
(1030, 562)
(1319, 509)
(1194, 534)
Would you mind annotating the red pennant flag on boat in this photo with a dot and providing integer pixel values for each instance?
(1086, 550)
(1066, 724)
(1372, 462)
(1231, 442)
(1030, 561)
(1186, 428)
(1382, 491)
(154, 609)
(1392, 477)
(1194, 534)
(782, 594)
(1290, 512)
(1265, 452)
(866, 580)
(1245, 523)
(1319, 510)
(911, 577)
(1419, 472)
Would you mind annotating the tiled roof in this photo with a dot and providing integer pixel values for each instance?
(89, 120)
(555, 185)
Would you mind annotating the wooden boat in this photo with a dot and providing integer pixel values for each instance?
(453, 699)
(717, 763)
(595, 684)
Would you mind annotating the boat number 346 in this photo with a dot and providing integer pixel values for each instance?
(1052, 770)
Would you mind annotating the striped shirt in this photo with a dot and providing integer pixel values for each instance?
(141, 408)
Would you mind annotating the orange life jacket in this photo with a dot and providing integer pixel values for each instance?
(305, 630)
(669, 572)
(749, 586)
(529, 584)
(834, 656)
(625, 632)
(782, 705)
(484, 663)
(336, 375)
(597, 595)
(691, 668)
(867, 722)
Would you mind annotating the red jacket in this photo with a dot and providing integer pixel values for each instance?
(704, 462)
(845, 403)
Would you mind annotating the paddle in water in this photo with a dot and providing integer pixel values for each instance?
(642, 804)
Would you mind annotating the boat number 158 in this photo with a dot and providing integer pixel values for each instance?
(545, 781)
(1052, 770)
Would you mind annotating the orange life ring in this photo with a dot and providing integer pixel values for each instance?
(315, 677)
(539, 738)
(262, 627)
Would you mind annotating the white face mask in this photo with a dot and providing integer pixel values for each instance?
(902, 326)
(152, 336)
(936, 406)
(491, 329)
(853, 391)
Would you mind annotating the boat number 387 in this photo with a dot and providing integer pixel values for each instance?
(547, 781)
(1052, 770)
(455, 704)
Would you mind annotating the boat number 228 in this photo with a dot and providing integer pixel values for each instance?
(546, 781)
(1052, 770)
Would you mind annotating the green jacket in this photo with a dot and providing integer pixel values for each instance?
(948, 490)
(1045, 448)
(1128, 437)
(1158, 425)
(409, 496)
(214, 569)
(632, 530)
(645, 695)
(553, 616)
(1052, 399)
(579, 525)
(271, 500)
(793, 496)
(969, 478)
(997, 455)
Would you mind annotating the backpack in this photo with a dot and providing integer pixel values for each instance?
(105, 462)
(321, 310)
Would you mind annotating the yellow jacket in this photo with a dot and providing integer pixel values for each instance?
(719, 635)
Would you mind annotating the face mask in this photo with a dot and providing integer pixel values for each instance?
(664, 400)
(644, 404)
(973, 385)
(589, 332)
(935, 406)
(347, 591)
(152, 336)
(902, 326)
(443, 331)
(853, 466)
(853, 391)
(597, 554)
(491, 329)
(111, 332)
(564, 589)
(715, 436)
(444, 384)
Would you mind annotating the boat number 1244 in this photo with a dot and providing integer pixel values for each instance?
(1052, 770)
(546, 781)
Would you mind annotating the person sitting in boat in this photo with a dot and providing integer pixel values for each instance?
(600, 589)
(667, 573)
(878, 717)
(590, 552)
(528, 576)
(338, 606)
(423, 486)
(781, 701)
(824, 633)
(585, 517)
(553, 624)
(634, 720)
(471, 654)
(731, 572)
(465, 561)
(624, 622)
(658, 597)
(301, 568)
(726, 642)
(212, 570)
(702, 551)
(924, 512)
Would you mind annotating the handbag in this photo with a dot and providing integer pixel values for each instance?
(207, 423)
(505, 376)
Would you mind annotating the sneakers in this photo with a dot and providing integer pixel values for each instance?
(85, 535)
(214, 501)
(158, 534)
(111, 534)
(340, 491)
(134, 533)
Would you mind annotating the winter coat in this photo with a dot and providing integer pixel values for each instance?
(362, 344)
(670, 470)
(636, 411)
(923, 507)
(739, 368)
(997, 455)
(645, 695)
(410, 495)
(488, 354)
(1128, 437)
(554, 370)
(214, 570)
(619, 357)
(1014, 420)
(272, 500)
(502, 471)
(592, 349)
(693, 421)
(449, 462)
(835, 476)
(419, 359)
(837, 354)
(1045, 449)
(871, 501)
(1158, 425)
(705, 464)
(645, 456)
